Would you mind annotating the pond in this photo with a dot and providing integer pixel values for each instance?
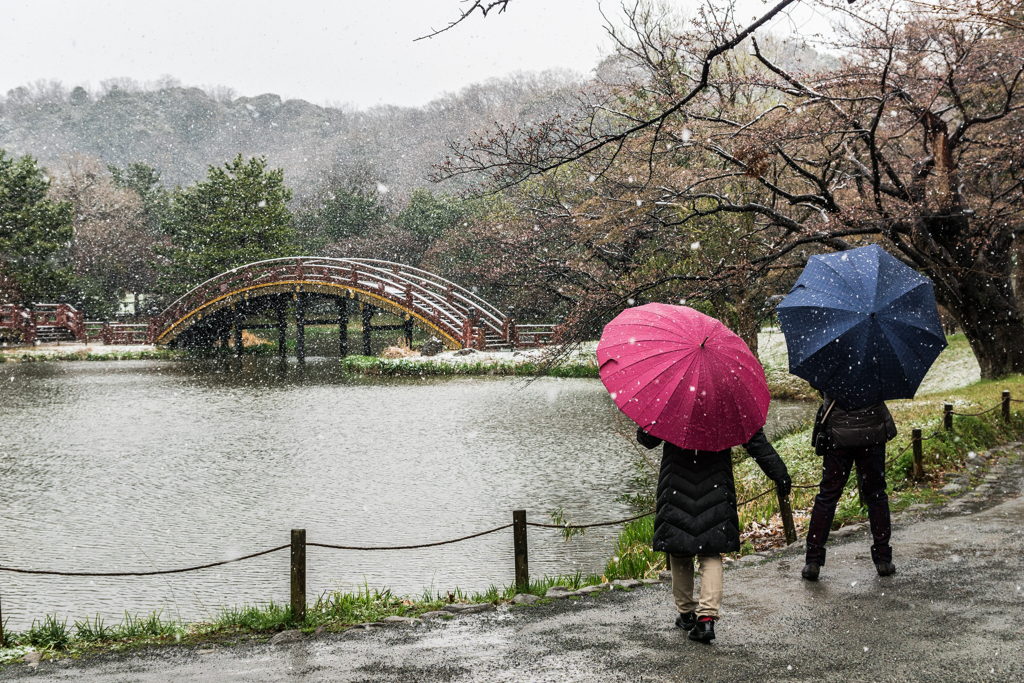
(143, 465)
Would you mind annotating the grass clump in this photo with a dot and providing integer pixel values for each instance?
(94, 630)
(633, 557)
(50, 634)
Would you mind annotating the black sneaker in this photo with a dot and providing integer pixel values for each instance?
(704, 631)
(686, 620)
(810, 571)
(885, 568)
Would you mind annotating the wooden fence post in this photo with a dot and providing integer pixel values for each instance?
(519, 542)
(299, 575)
(947, 416)
(918, 455)
(788, 525)
(1006, 405)
(1, 625)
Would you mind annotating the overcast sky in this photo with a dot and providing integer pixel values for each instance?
(337, 51)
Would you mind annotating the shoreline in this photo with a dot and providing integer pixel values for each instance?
(380, 609)
(339, 612)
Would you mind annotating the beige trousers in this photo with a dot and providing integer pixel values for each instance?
(710, 584)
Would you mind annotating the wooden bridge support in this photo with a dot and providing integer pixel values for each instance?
(408, 330)
(342, 326)
(300, 327)
(367, 317)
(282, 329)
(236, 323)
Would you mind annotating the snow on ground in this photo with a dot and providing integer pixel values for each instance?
(70, 348)
(955, 367)
(586, 354)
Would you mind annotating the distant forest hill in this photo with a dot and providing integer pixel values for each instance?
(181, 131)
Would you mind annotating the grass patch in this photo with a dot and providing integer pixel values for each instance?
(83, 355)
(945, 454)
(404, 367)
(335, 611)
(53, 636)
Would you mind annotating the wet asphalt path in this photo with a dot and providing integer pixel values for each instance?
(954, 612)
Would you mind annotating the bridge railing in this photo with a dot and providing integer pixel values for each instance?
(27, 322)
(123, 334)
(59, 315)
(534, 335)
(15, 319)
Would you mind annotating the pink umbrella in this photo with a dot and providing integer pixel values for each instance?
(683, 377)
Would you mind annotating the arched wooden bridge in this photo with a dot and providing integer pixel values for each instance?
(227, 304)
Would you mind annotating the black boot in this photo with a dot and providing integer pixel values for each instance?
(686, 620)
(704, 631)
(810, 571)
(885, 568)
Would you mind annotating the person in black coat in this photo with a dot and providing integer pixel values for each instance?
(845, 438)
(696, 517)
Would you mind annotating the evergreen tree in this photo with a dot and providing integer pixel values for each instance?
(429, 216)
(34, 230)
(341, 211)
(238, 215)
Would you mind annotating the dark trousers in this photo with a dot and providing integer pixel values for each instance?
(835, 472)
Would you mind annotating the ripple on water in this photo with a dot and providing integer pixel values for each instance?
(145, 464)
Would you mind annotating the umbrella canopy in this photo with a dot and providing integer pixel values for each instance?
(683, 376)
(861, 326)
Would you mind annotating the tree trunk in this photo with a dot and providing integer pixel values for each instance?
(977, 286)
(993, 325)
(747, 324)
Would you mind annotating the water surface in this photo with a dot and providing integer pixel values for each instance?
(140, 465)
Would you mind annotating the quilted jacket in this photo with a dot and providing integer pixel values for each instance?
(696, 510)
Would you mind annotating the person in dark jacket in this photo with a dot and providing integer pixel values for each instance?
(696, 517)
(845, 438)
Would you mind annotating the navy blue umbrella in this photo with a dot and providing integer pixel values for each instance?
(861, 326)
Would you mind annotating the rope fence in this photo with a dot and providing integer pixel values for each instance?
(519, 526)
(410, 547)
(45, 572)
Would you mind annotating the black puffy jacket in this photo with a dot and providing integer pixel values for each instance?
(696, 512)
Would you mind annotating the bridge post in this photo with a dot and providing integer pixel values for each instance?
(367, 317)
(224, 336)
(237, 324)
(300, 327)
(468, 339)
(342, 326)
(511, 333)
(298, 575)
(282, 329)
(407, 328)
(519, 549)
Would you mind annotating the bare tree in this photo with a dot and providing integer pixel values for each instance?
(911, 140)
(112, 247)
